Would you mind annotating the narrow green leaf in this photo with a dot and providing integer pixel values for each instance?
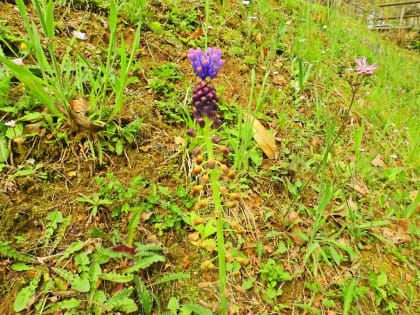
(348, 296)
(114, 277)
(74, 247)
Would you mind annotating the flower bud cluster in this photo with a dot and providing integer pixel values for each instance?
(204, 100)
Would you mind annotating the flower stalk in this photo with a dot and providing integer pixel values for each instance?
(218, 210)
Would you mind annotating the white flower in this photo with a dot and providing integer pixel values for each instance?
(302, 40)
(10, 123)
(253, 17)
(245, 2)
(275, 72)
(394, 156)
(396, 130)
(80, 35)
(392, 124)
(324, 27)
(17, 61)
(209, 26)
(288, 22)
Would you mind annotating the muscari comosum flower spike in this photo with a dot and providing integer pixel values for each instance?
(206, 65)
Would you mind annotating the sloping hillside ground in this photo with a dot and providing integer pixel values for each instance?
(320, 229)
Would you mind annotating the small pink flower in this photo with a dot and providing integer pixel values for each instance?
(363, 67)
(17, 61)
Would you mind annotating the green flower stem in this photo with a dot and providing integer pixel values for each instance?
(218, 208)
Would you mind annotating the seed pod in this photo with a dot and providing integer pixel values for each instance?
(199, 160)
(197, 188)
(194, 236)
(196, 151)
(196, 170)
(242, 261)
(206, 265)
(235, 196)
(197, 221)
(211, 164)
(204, 179)
(235, 225)
(225, 169)
(231, 204)
(225, 150)
(220, 159)
(223, 190)
(229, 257)
(231, 175)
(217, 214)
(211, 247)
(202, 203)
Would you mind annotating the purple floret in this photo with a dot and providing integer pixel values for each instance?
(206, 64)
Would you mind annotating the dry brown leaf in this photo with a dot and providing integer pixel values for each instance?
(145, 216)
(279, 80)
(264, 139)
(80, 105)
(359, 188)
(32, 128)
(377, 161)
(413, 194)
(180, 141)
(196, 34)
(72, 174)
(315, 142)
(258, 38)
(402, 226)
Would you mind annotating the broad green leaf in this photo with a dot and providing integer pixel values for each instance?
(335, 255)
(26, 294)
(4, 150)
(248, 283)
(209, 229)
(78, 283)
(121, 302)
(198, 309)
(67, 304)
(173, 305)
(20, 267)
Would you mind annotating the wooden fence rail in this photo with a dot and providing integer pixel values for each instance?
(397, 3)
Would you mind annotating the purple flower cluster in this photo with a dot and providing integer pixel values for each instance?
(204, 100)
(206, 64)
